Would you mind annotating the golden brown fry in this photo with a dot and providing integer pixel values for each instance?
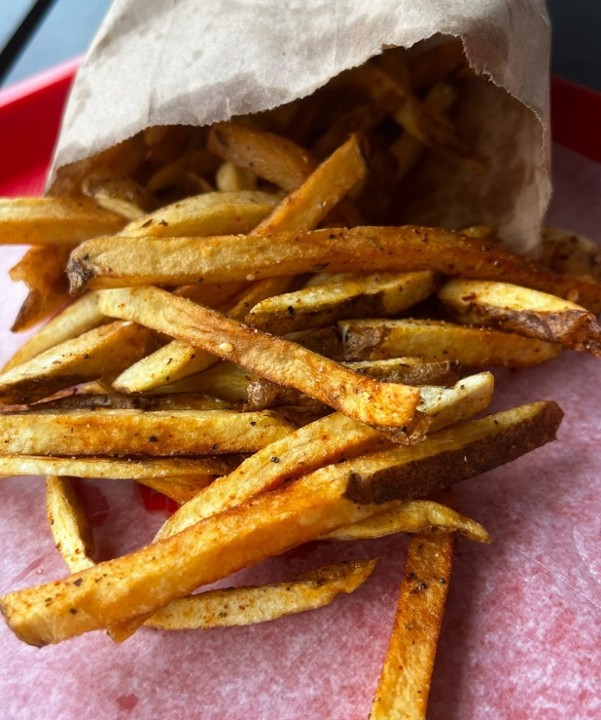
(166, 401)
(404, 683)
(382, 404)
(230, 178)
(413, 516)
(119, 194)
(437, 340)
(139, 583)
(363, 296)
(69, 524)
(124, 433)
(209, 214)
(524, 311)
(54, 221)
(410, 370)
(225, 380)
(96, 353)
(42, 269)
(269, 156)
(327, 440)
(250, 605)
(321, 191)
(198, 470)
(110, 262)
(77, 318)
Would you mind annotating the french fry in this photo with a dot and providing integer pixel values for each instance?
(98, 352)
(54, 221)
(524, 311)
(410, 370)
(42, 269)
(225, 380)
(166, 401)
(110, 262)
(230, 178)
(250, 605)
(138, 433)
(364, 296)
(383, 404)
(270, 156)
(198, 162)
(404, 683)
(134, 585)
(437, 340)
(412, 516)
(77, 318)
(213, 213)
(119, 194)
(198, 470)
(325, 441)
(69, 524)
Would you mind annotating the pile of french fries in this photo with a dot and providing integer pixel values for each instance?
(250, 334)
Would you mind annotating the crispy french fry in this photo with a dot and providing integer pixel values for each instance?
(270, 156)
(404, 683)
(137, 433)
(98, 352)
(524, 311)
(42, 269)
(413, 516)
(213, 213)
(119, 194)
(225, 380)
(121, 589)
(250, 605)
(109, 262)
(77, 318)
(54, 221)
(327, 440)
(198, 470)
(364, 296)
(383, 404)
(166, 401)
(69, 524)
(437, 340)
(410, 370)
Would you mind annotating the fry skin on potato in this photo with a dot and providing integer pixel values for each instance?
(524, 311)
(134, 585)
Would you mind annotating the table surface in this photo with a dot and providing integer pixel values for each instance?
(69, 26)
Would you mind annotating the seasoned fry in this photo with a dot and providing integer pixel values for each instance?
(119, 194)
(364, 296)
(524, 311)
(383, 404)
(410, 370)
(137, 433)
(54, 221)
(437, 340)
(42, 269)
(109, 262)
(94, 354)
(213, 213)
(230, 178)
(325, 441)
(225, 380)
(270, 156)
(69, 524)
(311, 507)
(251, 605)
(77, 318)
(413, 516)
(166, 401)
(404, 683)
(158, 473)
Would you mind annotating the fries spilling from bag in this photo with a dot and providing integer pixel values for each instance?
(252, 334)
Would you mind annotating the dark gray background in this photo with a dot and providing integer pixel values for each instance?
(70, 25)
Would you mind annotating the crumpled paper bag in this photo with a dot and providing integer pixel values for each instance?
(157, 62)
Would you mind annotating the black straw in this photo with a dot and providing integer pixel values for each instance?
(15, 45)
